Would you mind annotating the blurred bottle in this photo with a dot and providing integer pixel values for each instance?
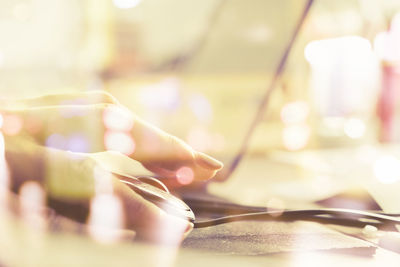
(387, 46)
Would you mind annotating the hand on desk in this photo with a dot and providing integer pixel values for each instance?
(53, 129)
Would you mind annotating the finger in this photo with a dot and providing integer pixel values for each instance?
(78, 98)
(169, 156)
(95, 128)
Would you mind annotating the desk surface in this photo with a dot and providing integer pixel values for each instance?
(234, 244)
(257, 245)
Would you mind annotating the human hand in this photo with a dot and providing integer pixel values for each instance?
(96, 122)
(69, 176)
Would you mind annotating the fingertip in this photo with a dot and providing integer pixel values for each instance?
(202, 174)
(208, 162)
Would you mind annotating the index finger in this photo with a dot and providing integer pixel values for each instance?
(103, 127)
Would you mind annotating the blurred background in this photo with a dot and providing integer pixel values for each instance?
(199, 69)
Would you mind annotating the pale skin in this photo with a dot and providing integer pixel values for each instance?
(88, 114)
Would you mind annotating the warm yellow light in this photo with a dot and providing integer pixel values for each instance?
(370, 231)
(277, 205)
(387, 169)
(106, 218)
(295, 112)
(119, 141)
(124, 4)
(325, 52)
(103, 181)
(32, 202)
(118, 118)
(354, 128)
(296, 137)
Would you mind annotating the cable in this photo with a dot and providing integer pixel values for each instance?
(344, 217)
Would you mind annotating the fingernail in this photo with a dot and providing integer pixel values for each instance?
(208, 162)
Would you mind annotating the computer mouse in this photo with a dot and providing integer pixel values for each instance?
(157, 193)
